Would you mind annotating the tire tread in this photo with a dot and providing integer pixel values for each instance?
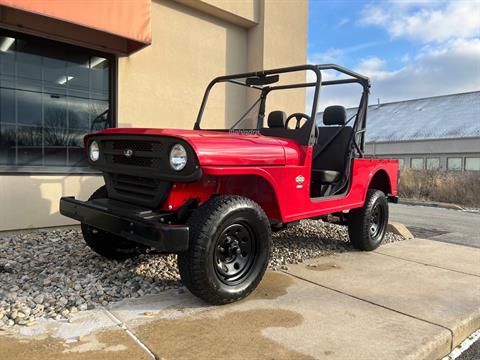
(190, 263)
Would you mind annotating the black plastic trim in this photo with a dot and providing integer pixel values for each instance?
(393, 199)
(133, 223)
(191, 172)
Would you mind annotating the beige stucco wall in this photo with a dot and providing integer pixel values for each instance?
(162, 85)
(32, 201)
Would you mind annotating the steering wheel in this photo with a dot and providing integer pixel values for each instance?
(298, 117)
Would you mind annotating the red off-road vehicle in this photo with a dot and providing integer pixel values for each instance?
(214, 195)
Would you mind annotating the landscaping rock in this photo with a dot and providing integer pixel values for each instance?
(53, 274)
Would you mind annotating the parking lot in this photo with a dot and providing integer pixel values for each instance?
(435, 223)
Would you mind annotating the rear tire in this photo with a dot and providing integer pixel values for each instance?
(229, 249)
(110, 246)
(368, 224)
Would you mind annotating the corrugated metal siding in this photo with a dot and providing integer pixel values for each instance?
(441, 117)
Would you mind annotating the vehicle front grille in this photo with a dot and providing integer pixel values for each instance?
(134, 165)
(135, 145)
(137, 170)
(133, 161)
(137, 189)
(143, 153)
(135, 185)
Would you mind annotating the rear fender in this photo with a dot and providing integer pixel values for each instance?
(384, 178)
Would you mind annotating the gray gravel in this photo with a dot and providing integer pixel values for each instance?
(53, 274)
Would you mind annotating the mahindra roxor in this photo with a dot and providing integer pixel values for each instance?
(213, 196)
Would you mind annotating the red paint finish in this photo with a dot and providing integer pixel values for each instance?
(201, 190)
(266, 169)
(221, 148)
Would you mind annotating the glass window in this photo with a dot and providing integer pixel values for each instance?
(416, 163)
(454, 163)
(51, 95)
(401, 163)
(472, 163)
(433, 163)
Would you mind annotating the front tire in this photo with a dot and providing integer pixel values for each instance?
(106, 244)
(368, 224)
(229, 250)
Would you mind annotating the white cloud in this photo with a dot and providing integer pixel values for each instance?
(342, 22)
(336, 55)
(425, 21)
(371, 64)
(453, 67)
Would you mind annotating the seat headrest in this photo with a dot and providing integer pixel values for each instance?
(276, 119)
(334, 115)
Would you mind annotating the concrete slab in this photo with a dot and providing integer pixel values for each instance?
(113, 344)
(449, 256)
(92, 335)
(409, 300)
(285, 318)
(444, 297)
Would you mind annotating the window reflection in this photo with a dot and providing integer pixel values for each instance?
(51, 95)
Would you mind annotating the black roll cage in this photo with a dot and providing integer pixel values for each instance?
(307, 134)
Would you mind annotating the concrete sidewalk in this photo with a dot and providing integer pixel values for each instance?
(415, 299)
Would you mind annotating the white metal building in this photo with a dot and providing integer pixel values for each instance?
(436, 133)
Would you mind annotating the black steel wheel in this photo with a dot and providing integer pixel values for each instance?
(377, 220)
(367, 225)
(229, 249)
(235, 251)
(110, 246)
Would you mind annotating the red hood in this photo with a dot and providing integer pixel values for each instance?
(222, 148)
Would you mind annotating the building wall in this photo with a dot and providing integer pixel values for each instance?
(162, 85)
(32, 201)
(443, 149)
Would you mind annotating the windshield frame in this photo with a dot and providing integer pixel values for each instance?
(306, 135)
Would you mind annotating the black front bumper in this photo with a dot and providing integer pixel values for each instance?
(131, 222)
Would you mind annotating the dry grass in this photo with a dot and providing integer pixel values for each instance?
(461, 188)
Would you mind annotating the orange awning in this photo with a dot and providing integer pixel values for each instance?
(119, 26)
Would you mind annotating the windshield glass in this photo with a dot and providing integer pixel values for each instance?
(231, 106)
(236, 104)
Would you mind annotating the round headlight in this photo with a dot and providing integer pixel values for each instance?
(94, 151)
(178, 157)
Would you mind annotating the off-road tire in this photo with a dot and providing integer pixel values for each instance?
(211, 226)
(110, 246)
(363, 232)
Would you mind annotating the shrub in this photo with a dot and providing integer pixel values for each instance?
(461, 188)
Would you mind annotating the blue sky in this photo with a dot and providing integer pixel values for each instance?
(408, 48)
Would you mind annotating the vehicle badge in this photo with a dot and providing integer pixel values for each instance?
(299, 179)
(128, 153)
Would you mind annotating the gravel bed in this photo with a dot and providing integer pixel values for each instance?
(53, 274)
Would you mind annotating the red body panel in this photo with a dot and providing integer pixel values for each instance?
(221, 148)
(266, 169)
